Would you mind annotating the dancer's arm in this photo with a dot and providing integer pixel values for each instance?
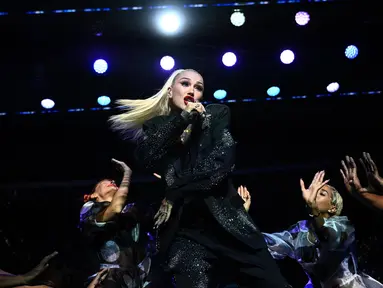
(97, 220)
(120, 197)
(369, 195)
(374, 200)
(21, 280)
(245, 196)
(282, 244)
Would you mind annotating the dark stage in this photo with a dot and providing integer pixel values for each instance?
(50, 160)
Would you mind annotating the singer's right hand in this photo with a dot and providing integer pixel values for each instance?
(190, 106)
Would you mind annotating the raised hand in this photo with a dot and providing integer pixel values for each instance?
(99, 278)
(350, 176)
(245, 195)
(125, 168)
(40, 268)
(163, 214)
(310, 194)
(374, 180)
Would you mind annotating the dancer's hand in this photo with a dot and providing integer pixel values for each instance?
(163, 214)
(374, 180)
(310, 194)
(40, 268)
(350, 177)
(125, 168)
(99, 278)
(190, 106)
(245, 195)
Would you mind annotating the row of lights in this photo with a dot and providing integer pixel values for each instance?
(218, 94)
(229, 59)
(161, 7)
(238, 18)
(48, 102)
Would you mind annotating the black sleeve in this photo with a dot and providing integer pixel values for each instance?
(160, 135)
(219, 157)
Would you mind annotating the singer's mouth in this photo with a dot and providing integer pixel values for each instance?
(189, 99)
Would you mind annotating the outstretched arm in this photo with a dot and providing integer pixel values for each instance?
(119, 199)
(366, 195)
(21, 280)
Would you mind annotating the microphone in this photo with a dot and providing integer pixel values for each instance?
(195, 114)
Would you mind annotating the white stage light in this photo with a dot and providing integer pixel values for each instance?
(47, 103)
(237, 18)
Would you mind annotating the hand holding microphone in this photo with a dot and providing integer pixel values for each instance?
(193, 106)
(196, 110)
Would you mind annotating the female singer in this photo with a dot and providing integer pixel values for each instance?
(323, 245)
(192, 149)
(113, 230)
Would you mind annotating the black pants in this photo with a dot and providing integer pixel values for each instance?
(195, 266)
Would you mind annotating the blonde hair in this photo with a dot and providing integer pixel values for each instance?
(138, 111)
(336, 200)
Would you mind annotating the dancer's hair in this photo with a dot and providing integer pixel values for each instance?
(138, 111)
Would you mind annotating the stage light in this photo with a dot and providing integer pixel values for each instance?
(100, 66)
(103, 100)
(169, 22)
(237, 18)
(333, 87)
(220, 94)
(47, 103)
(229, 59)
(287, 57)
(302, 18)
(167, 63)
(273, 91)
(351, 52)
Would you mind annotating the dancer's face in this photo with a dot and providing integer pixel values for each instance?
(324, 200)
(187, 83)
(105, 190)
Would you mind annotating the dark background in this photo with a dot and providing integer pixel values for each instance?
(48, 161)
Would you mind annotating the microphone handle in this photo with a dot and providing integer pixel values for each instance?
(196, 114)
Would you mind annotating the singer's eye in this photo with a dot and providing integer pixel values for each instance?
(200, 88)
(185, 84)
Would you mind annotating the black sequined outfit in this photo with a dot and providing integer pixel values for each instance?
(209, 230)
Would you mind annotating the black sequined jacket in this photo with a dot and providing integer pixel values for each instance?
(200, 168)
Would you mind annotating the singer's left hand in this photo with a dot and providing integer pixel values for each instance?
(163, 214)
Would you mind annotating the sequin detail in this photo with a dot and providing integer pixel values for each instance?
(206, 123)
(188, 258)
(170, 175)
(235, 221)
(158, 139)
(210, 163)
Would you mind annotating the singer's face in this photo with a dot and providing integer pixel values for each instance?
(187, 83)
